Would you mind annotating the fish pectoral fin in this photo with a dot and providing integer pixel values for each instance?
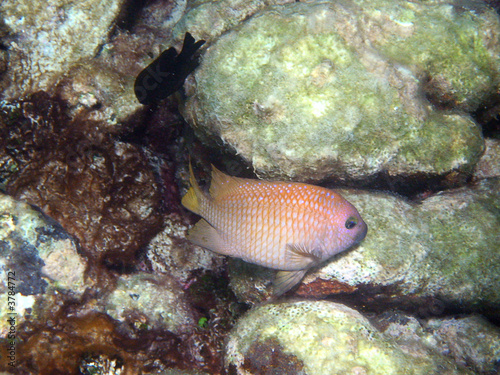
(301, 256)
(286, 280)
(205, 235)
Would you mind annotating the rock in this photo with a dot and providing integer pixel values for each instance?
(47, 38)
(441, 248)
(308, 91)
(37, 258)
(318, 337)
(461, 72)
(170, 253)
(489, 164)
(208, 20)
(152, 302)
(68, 51)
(472, 341)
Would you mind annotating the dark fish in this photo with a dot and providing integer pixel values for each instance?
(167, 73)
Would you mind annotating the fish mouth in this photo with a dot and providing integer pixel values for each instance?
(361, 234)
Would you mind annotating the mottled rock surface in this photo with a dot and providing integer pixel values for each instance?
(313, 90)
(152, 302)
(171, 253)
(47, 38)
(471, 341)
(37, 257)
(444, 247)
(489, 164)
(323, 338)
(209, 19)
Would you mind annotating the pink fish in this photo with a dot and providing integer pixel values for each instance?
(286, 226)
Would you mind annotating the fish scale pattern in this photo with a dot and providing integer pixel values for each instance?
(281, 225)
(258, 220)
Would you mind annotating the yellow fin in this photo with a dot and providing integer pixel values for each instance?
(205, 235)
(300, 256)
(286, 280)
(194, 196)
(222, 183)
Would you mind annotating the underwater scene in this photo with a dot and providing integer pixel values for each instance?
(246, 187)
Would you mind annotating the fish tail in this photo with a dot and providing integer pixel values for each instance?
(194, 196)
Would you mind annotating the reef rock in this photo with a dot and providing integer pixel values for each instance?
(316, 90)
(151, 302)
(37, 257)
(471, 341)
(171, 253)
(443, 248)
(46, 38)
(99, 189)
(208, 20)
(324, 338)
(489, 164)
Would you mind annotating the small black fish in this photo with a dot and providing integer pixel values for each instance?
(167, 73)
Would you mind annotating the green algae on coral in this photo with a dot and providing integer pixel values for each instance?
(455, 44)
(56, 36)
(295, 91)
(155, 302)
(326, 338)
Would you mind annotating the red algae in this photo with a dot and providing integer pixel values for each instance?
(99, 189)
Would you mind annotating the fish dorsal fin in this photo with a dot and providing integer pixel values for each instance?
(301, 256)
(286, 280)
(222, 183)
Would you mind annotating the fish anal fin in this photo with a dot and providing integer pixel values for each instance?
(205, 235)
(286, 280)
(300, 256)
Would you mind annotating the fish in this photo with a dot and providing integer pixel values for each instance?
(167, 73)
(287, 226)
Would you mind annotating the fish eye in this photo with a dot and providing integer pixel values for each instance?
(351, 222)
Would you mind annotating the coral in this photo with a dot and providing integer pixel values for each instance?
(209, 19)
(264, 361)
(489, 164)
(152, 302)
(107, 174)
(317, 337)
(169, 252)
(37, 258)
(47, 38)
(104, 190)
(460, 57)
(471, 341)
(67, 343)
(301, 92)
(77, 52)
